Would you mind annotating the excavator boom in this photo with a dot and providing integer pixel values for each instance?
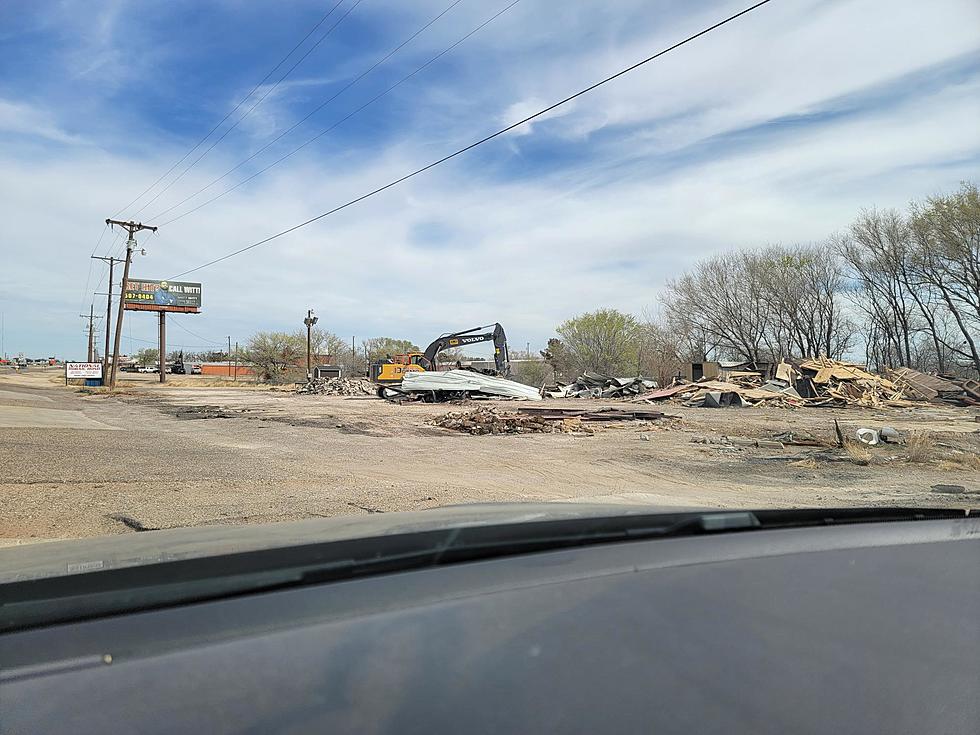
(501, 356)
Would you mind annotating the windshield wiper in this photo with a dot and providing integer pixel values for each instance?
(93, 594)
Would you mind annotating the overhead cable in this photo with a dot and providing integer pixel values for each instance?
(481, 141)
(310, 114)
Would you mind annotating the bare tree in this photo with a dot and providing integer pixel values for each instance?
(945, 264)
(759, 305)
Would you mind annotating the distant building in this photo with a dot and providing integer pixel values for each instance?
(226, 369)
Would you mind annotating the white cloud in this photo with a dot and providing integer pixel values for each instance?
(18, 118)
(528, 251)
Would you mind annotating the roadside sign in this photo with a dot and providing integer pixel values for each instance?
(144, 295)
(83, 370)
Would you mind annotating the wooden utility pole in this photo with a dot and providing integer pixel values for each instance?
(108, 314)
(132, 228)
(309, 322)
(91, 331)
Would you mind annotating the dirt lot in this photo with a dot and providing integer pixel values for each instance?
(199, 452)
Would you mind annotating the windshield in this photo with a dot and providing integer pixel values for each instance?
(300, 262)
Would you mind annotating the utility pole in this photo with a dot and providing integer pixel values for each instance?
(91, 331)
(236, 362)
(309, 322)
(108, 314)
(132, 228)
(353, 356)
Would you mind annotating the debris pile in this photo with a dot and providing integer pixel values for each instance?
(832, 382)
(593, 385)
(544, 420)
(818, 382)
(923, 387)
(595, 414)
(338, 387)
(487, 420)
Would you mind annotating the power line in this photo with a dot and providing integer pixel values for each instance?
(483, 140)
(257, 103)
(88, 278)
(231, 112)
(347, 117)
(315, 110)
(193, 334)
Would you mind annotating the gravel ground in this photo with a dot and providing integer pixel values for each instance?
(193, 454)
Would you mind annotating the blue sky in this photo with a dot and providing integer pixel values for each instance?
(777, 128)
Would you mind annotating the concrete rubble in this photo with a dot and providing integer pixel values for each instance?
(338, 387)
(489, 420)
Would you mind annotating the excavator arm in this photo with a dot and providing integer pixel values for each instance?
(501, 356)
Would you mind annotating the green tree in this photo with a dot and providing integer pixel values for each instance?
(275, 355)
(148, 356)
(377, 348)
(604, 341)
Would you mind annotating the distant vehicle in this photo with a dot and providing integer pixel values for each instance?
(196, 370)
(147, 369)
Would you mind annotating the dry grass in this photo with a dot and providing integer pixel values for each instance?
(960, 461)
(858, 453)
(920, 448)
(807, 464)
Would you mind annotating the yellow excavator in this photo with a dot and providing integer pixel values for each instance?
(391, 371)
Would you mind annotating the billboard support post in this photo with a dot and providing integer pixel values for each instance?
(163, 347)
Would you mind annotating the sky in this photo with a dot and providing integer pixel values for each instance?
(776, 128)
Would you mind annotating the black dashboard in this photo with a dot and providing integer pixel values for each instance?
(860, 629)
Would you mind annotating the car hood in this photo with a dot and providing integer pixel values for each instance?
(33, 561)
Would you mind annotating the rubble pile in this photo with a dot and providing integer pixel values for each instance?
(818, 382)
(923, 387)
(593, 385)
(486, 420)
(338, 387)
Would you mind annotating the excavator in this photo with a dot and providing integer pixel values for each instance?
(389, 372)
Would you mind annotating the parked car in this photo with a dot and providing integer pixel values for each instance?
(196, 370)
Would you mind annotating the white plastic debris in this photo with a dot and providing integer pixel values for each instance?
(868, 436)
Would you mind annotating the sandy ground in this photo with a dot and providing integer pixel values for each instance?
(78, 464)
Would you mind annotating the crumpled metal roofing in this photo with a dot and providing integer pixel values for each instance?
(467, 380)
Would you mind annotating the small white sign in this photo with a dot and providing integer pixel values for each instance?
(83, 369)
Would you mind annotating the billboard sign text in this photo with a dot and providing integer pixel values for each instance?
(144, 295)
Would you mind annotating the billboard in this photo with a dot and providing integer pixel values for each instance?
(83, 370)
(144, 295)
